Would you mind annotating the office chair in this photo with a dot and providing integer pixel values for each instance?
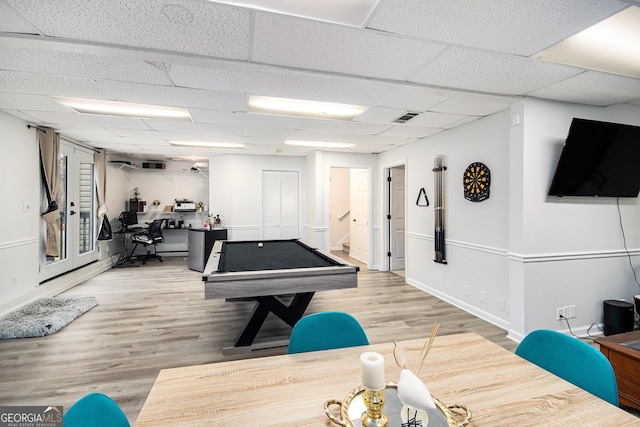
(573, 360)
(324, 331)
(95, 410)
(150, 237)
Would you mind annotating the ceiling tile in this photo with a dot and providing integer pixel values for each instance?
(410, 131)
(380, 115)
(73, 64)
(13, 22)
(473, 105)
(333, 126)
(593, 88)
(196, 27)
(44, 84)
(336, 48)
(482, 71)
(61, 119)
(21, 101)
(517, 27)
(434, 120)
(244, 119)
(285, 85)
(175, 96)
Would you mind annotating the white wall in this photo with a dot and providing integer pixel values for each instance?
(572, 249)
(516, 257)
(235, 190)
(18, 229)
(477, 234)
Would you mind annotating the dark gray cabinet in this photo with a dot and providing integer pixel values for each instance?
(200, 245)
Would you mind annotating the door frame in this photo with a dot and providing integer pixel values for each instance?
(327, 205)
(74, 259)
(386, 203)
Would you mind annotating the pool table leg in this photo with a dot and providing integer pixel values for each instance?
(272, 304)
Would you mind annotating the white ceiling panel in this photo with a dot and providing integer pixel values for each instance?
(337, 49)
(175, 96)
(13, 22)
(244, 119)
(483, 71)
(281, 84)
(403, 131)
(84, 120)
(593, 88)
(452, 61)
(195, 27)
(204, 128)
(30, 102)
(516, 27)
(50, 85)
(435, 120)
(332, 126)
(73, 64)
(473, 106)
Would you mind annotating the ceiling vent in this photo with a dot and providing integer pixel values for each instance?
(405, 117)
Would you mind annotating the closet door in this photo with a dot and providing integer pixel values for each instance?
(280, 205)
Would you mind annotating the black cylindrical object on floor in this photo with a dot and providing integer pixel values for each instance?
(618, 317)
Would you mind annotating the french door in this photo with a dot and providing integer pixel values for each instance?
(77, 204)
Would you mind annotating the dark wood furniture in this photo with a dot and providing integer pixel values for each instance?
(626, 364)
(200, 244)
(266, 270)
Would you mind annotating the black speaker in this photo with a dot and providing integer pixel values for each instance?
(618, 317)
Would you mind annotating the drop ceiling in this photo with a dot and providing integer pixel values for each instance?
(449, 61)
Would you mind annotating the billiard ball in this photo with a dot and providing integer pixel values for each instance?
(260, 245)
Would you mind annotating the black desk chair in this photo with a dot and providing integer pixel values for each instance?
(150, 237)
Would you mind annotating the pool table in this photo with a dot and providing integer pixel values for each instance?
(265, 271)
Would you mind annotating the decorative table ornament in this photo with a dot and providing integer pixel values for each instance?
(352, 406)
(372, 371)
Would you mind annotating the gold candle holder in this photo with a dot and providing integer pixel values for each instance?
(373, 416)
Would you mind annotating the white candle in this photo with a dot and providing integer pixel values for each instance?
(372, 367)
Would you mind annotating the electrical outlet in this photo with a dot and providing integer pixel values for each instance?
(559, 313)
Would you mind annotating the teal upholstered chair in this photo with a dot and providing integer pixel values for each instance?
(95, 410)
(326, 330)
(573, 360)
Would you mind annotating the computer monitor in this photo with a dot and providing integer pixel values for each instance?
(128, 219)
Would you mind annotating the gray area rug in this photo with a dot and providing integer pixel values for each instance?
(44, 316)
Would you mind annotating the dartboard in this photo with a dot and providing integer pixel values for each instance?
(476, 181)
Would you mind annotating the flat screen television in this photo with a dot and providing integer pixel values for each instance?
(599, 159)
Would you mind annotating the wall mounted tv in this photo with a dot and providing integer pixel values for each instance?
(599, 159)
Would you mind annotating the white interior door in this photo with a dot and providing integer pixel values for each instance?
(280, 205)
(359, 214)
(397, 220)
(77, 205)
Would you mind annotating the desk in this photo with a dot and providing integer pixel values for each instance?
(626, 365)
(242, 269)
(500, 388)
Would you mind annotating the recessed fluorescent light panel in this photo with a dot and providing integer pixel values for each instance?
(206, 144)
(611, 46)
(354, 13)
(125, 109)
(303, 108)
(319, 144)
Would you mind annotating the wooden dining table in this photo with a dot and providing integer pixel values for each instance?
(498, 387)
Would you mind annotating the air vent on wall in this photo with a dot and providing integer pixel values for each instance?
(405, 117)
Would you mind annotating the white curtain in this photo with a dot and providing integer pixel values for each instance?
(100, 162)
(49, 142)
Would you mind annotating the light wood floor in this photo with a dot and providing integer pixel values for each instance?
(155, 316)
